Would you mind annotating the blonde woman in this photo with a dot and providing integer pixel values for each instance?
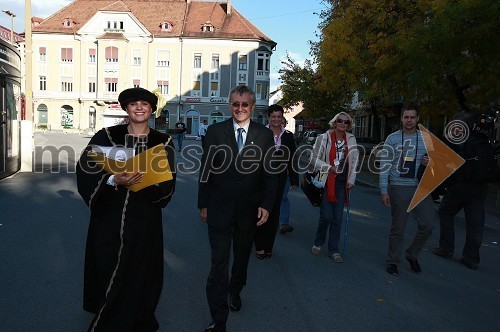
(335, 154)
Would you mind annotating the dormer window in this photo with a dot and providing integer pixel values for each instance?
(207, 27)
(114, 26)
(166, 26)
(68, 23)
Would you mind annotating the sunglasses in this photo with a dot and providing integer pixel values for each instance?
(237, 105)
(347, 122)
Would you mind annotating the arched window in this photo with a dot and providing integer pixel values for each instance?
(66, 116)
(42, 111)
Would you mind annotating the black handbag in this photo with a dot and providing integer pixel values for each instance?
(313, 193)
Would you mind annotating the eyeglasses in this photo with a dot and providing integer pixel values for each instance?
(347, 122)
(237, 105)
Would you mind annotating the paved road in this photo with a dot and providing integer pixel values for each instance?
(42, 240)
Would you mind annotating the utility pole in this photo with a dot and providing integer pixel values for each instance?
(12, 15)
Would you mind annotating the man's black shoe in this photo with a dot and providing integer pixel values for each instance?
(211, 328)
(214, 328)
(392, 269)
(469, 265)
(234, 302)
(414, 265)
(441, 253)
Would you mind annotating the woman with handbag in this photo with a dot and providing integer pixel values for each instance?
(335, 154)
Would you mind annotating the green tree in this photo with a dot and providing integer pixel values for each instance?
(300, 84)
(444, 54)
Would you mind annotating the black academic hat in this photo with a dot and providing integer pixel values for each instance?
(135, 94)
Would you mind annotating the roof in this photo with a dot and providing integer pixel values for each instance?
(186, 18)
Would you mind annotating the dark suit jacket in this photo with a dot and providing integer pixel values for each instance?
(232, 186)
(288, 148)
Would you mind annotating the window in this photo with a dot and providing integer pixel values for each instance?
(111, 84)
(42, 51)
(163, 86)
(92, 56)
(66, 84)
(68, 23)
(196, 90)
(136, 83)
(136, 57)
(208, 27)
(163, 59)
(214, 76)
(242, 64)
(197, 60)
(111, 54)
(263, 61)
(114, 26)
(92, 84)
(242, 78)
(214, 89)
(215, 61)
(43, 83)
(166, 26)
(360, 126)
(258, 90)
(66, 54)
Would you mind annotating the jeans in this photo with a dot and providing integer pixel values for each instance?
(180, 138)
(470, 197)
(285, 204)
(330, 215)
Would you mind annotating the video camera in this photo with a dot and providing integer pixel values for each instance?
(486, 122)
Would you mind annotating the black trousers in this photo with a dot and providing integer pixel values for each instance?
(265, 234)
(218, 283)
(470, 197)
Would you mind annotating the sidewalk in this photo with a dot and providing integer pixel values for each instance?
(492, 209)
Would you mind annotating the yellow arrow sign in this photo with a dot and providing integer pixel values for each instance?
(443, 163)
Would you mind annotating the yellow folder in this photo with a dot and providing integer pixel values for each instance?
(153, 163)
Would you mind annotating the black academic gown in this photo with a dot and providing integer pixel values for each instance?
(124, 254)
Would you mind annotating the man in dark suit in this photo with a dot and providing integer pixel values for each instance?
(237, 189)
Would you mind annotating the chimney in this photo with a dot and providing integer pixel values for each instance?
(228, 7)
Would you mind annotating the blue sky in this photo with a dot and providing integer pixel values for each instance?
(290, 23)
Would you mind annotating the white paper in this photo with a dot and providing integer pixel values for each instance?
(118, 153)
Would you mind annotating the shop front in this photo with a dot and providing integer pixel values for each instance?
(10, 110)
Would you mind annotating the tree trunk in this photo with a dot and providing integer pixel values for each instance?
(458, 91)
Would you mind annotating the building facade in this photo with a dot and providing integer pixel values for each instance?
(194, 52)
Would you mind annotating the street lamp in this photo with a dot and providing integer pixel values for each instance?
(12, 15)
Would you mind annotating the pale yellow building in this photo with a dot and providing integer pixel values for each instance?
(85, 54)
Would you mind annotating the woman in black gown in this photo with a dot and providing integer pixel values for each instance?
(124, 254)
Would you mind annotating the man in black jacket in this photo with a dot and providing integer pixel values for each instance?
(467, 189)
(237, 190)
